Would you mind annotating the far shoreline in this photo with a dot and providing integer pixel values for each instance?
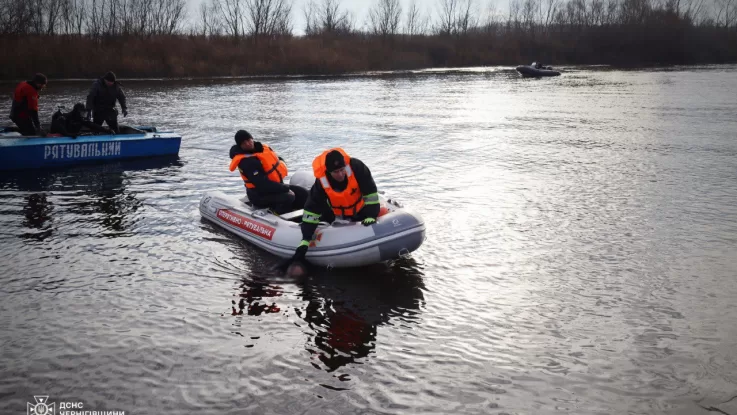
(387, 74)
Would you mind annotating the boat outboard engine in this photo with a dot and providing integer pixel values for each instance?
(303, 178)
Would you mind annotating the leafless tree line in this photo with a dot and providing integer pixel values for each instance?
(91, 17)
(459, 17)
(258, 18)
(327, 17)
(543, 15)
(240, 18)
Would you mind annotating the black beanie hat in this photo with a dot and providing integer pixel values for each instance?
(110, 76)
(241, 136)
(39, 79)
(334, 160)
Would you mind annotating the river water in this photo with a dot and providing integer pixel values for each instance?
(581, 252)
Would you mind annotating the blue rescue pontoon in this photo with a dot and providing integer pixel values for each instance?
(18, 152)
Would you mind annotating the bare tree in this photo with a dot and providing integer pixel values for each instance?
(466, 17)
(529, 9)
(514, 11)
(16, 16)
(634, 11)
(231, 14)
(210, 23)
(597, 12)
(610, 15)
(447, 16)
(94, 24)
(79, 15)
(310, 15)
(726, 13)
(384, 17)
(492, 17)
(693, 10)
(283, 25)
(167, 16)
(549, 10)
(268, 17)
(332, 19)
(415, 23)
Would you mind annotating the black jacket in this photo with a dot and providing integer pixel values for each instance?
(252, 169)
(317, 202)
(71, 123)
(101, 99)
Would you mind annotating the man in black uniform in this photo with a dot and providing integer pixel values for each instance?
(101, 101)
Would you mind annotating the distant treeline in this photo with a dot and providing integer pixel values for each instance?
(141, 38)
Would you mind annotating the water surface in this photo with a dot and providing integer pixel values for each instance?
(581, 252)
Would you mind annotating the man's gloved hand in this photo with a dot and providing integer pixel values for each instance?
(125, 112)
(368, 221)
(89, 116)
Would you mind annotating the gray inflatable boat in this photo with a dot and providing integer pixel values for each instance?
(533, 71)
(396, 233)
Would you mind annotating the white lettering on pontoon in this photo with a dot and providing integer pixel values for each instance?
(81, 151)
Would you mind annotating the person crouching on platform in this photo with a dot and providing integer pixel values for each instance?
(24, 109)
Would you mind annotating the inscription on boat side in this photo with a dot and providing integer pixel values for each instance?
(246, 224)
(79, 151)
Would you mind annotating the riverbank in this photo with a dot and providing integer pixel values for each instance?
(199, 56)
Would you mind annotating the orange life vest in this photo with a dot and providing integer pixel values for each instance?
(348, 202)
(275, 169)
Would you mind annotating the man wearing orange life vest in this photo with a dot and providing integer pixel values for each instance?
(343, 187)
(24, 109)
(263, 171)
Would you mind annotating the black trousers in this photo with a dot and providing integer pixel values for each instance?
(25, 126)
(110, 117)
(280, 202)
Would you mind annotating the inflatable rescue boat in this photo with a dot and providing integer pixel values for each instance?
(396, 233)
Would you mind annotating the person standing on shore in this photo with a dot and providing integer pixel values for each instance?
(24, 109)
(101, 101)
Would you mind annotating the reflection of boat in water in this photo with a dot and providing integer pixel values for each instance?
(346, 310)
(536, 70)
(100, 196)
(18, 152)
(395, 234)
(343, 308)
